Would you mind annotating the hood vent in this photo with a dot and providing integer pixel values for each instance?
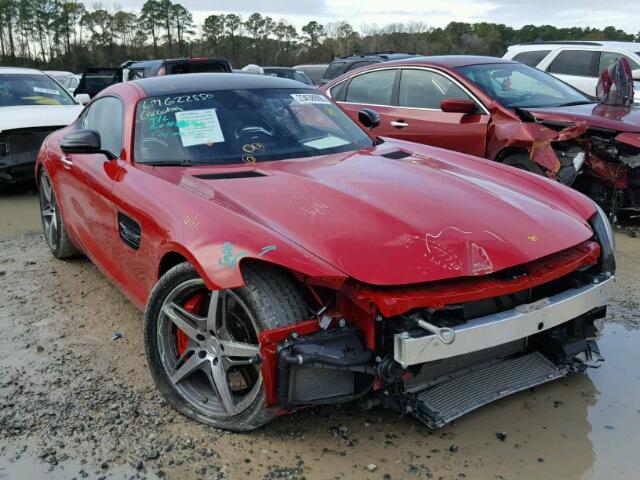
(396, 155)
(229, 175)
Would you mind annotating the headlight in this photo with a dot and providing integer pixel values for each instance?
(604, 233)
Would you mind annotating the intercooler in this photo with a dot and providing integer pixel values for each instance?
(18, 151)
(451, 399)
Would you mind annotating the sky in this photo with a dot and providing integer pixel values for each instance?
(436, 13)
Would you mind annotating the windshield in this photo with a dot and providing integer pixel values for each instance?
(236, 126)
(290, 74)
(517, 85)
(31, 89)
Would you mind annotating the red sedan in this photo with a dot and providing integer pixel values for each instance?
(284, 258)
(504, 111)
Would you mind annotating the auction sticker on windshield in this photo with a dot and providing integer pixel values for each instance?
(46, 90)
(309, 98)
(199, 127)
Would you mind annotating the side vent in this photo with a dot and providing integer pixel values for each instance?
(230, 175)
(396, 155)
(129, 231)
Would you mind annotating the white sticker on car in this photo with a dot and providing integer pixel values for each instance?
(309, 98)
(46, 90)
(199, 127)
(329, 141)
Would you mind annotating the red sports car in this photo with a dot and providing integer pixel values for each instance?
(286, 258)
(504, 111)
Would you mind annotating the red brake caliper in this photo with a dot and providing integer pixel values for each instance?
(193, 305)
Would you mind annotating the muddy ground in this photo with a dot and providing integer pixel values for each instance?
(75, 402)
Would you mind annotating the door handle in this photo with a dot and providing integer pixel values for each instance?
(399, 124)
(66, 161)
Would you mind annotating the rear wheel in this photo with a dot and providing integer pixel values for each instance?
(52, 224)
(522, 161)
(202, 346)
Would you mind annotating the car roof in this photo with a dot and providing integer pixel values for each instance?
(58, 72)
(206, 82)
(376, 56)
(451, 61)
(631, 46)
(20, 71)
(157, 62)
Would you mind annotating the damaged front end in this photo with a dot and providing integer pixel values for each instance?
(439, 350)
(18, 151)
(603, 164)
(600, 162)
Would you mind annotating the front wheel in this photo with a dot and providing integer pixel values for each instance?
(202, 346)
(52, 224)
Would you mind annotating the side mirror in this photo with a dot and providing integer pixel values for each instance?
(455, 105)
(369, 118)
(83, 142)
(83, 98)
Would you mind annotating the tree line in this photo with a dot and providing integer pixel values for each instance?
(67, 35)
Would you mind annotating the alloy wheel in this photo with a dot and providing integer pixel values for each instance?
(48, 211)
(209, 348)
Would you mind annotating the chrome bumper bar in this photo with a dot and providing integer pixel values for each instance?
(492, 330)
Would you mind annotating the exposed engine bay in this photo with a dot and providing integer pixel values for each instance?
(439, 352)
(601, 163)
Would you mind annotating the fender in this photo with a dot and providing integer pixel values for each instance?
(531, 136)
(218, 261)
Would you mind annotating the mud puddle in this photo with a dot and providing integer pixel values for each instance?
(19, 212)
(76, 403)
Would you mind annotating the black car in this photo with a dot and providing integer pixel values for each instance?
(345, 64)
(96, 79)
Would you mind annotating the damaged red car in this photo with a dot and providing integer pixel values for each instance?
(285, 258)
(508, 112)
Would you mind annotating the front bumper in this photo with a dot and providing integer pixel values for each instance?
(500, 328)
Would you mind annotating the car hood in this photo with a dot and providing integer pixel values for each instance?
(391, 222)
(622, 119)
(29, 116)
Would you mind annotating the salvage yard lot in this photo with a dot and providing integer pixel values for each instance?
(79, 402)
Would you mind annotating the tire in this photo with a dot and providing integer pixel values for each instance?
(522, 161)
(55, 232)
(268, 300)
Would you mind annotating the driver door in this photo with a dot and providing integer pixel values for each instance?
(87, 182)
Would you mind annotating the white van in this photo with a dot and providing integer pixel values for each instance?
(578, 63)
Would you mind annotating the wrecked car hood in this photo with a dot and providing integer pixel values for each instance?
(622, 119)
(29, 116)
(431, 216)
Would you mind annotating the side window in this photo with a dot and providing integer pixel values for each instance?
(105, 116)
(425, 89)
(333, 70)
(609, 58)
(531, 58)
(356, 65)
(374, 88)
(581, 63)
(338, 91)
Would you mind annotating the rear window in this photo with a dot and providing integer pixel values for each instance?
(196, 67)
(27, 89)
(531, 58)
(583, 63)
(333, 71)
